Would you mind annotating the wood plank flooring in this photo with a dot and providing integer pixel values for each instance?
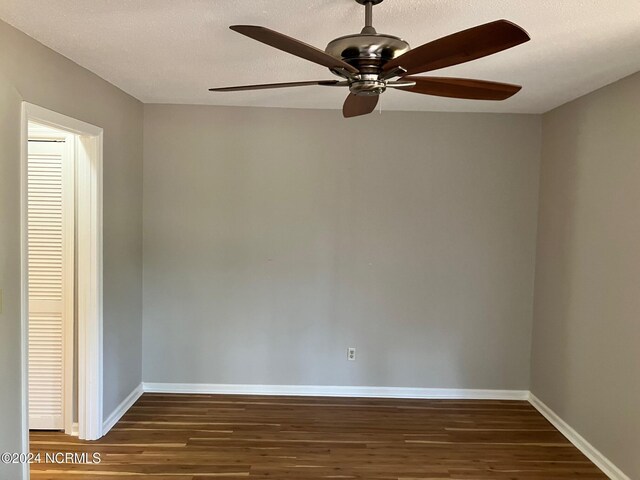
(214, 437)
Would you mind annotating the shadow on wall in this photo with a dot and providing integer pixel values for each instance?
(554, 283)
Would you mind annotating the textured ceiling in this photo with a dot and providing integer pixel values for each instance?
(172, 51)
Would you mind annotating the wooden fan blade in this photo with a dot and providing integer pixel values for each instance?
(461, 47)
(356, 105)
(275, 85)
(461, 88)
(292, 46)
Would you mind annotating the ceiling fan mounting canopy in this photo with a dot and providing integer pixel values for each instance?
(368, 62)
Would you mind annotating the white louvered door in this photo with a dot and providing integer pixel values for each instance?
(50, 242)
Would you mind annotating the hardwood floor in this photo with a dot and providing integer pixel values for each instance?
(207, 437)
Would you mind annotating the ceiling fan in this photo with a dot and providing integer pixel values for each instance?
(371, 62)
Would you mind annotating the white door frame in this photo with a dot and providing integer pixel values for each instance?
(88, 155)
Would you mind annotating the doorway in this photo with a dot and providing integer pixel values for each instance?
(51, 275)
(61, 274)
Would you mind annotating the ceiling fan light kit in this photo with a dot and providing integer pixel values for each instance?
(370, 62)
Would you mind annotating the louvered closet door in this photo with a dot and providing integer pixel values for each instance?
(50, 237)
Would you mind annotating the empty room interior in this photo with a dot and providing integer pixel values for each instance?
(319, 239)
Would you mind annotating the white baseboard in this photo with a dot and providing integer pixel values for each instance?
(337, 391)
(121, 409)
(591, 452)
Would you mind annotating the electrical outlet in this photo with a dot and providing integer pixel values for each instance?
(351, 353)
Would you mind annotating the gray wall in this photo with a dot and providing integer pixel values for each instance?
(586, 342)
(32, 72)
(274, 239)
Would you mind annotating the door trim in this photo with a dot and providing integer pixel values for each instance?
(88, 155)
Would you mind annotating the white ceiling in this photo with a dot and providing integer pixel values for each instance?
(172, 51)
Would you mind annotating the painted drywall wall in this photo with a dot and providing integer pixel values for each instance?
(10, 403)
(31, 72)
(274, 239)
(586, 342)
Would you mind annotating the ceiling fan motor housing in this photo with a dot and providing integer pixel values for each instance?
(368, 53)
